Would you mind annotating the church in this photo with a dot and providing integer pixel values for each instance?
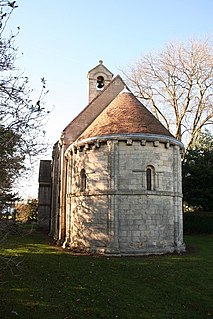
(114, 185)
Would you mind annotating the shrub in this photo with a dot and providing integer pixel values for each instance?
(198, 223)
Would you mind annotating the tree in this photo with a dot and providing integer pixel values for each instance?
(198, 174)
(21, 119)
(177, 86)
(11, 161)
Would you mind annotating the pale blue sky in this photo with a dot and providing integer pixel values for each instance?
(62, 40)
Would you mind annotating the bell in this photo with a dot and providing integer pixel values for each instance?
(100, 84)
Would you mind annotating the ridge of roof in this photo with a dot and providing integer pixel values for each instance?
(92, 110)
(91, 102)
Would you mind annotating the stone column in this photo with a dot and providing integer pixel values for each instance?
(68, 201)
(63, 182)
(178, 220)
(113, 213)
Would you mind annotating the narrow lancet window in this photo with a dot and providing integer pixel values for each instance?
(83, 180)
(149, 179)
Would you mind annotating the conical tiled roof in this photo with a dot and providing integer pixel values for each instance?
(124, 115)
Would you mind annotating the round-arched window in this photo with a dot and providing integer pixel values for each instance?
(83, 180)
(150, 178)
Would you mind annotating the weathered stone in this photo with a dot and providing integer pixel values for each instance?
(117, 193)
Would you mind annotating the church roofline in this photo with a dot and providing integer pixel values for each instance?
(100, 63)
(88, 105)
(131, 136)
(125, 115)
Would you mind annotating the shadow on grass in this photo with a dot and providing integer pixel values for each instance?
(51, 283)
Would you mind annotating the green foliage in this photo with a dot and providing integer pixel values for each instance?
(11, 161)
(22, 120)
(198, 223)
(198, 174)
(56, 284)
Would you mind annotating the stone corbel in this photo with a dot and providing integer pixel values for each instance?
(143, 142)
(97, 144)
(86, 147)
(156, 143)
(167, 145)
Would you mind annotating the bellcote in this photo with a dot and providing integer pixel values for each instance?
(99, 77)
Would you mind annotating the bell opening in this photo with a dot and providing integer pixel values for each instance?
(100, 83)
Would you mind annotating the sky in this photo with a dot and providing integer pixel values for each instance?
(62, 40)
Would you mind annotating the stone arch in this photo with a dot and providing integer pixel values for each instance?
(83, 180)
(150, 178)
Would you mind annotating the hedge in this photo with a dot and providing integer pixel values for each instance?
(198, 223)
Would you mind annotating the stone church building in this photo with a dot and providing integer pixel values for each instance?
(115, 177)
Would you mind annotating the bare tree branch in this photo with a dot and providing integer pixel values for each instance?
(177, 86)
(22, 119)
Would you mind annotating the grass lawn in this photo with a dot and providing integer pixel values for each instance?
(44, 281)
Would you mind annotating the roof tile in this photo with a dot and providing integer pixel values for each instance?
(125, 115)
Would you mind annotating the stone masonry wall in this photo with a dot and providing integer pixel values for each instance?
(146, 224)
(146, 217)
(116, 213)
(89, 208)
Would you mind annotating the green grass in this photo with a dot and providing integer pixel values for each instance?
(52, 284)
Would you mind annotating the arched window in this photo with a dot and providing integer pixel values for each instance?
(100, 82)
(150, 181)
(83, 180)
